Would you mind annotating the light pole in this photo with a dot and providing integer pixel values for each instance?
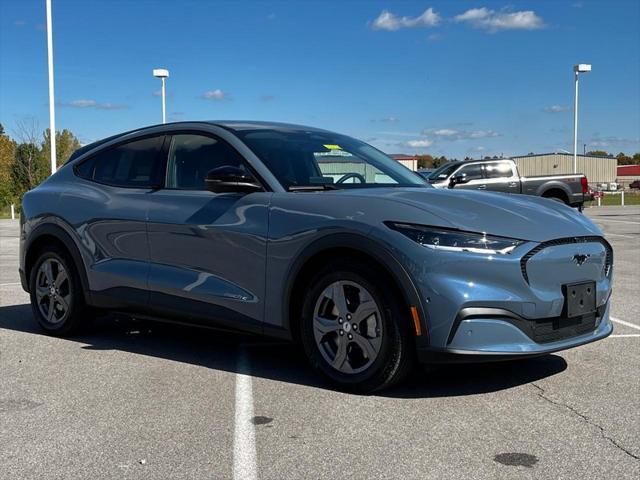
(52, 105)
(162, 73)
(578, 69)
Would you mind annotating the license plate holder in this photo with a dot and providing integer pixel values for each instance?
(579, 298)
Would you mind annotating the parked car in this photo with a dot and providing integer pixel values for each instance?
(502, 176)
(425, 172)
(635, 184)
(310, 236)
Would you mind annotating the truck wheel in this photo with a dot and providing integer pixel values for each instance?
(353, 330)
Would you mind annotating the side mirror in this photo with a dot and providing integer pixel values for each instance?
(457, 179)
(230, 179)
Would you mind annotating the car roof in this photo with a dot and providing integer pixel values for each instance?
(231, 125)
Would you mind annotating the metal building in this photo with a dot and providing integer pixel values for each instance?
(597, 169)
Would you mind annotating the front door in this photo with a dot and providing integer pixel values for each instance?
(207, 250)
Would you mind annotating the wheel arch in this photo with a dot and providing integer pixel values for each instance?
(557, 192)
(47, 234)
(353, 246)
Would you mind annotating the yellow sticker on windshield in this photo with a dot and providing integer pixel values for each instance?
(332, 147)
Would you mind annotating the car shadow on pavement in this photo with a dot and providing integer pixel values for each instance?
(277, 360)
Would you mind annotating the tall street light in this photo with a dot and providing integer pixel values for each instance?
(578, 69)
(162, 73)
(52, 108)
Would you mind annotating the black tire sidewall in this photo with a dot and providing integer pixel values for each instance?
(70, 323)
(393, 340)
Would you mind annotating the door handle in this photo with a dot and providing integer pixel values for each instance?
(482, 187)
(513, 184)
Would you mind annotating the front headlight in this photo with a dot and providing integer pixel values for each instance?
(439, 238)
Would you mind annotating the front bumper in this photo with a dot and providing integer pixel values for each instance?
(496, 337)
(517, 301)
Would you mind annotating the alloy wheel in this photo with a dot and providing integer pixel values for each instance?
(53, 291)
(347, 327)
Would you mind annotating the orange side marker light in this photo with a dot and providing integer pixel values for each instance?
(416, 320)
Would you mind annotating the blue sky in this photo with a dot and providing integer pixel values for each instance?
(453, 78)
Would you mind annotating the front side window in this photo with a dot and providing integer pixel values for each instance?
(471, 172)
(192, 156)
(300, 158)
(134, 164)
(498, 170)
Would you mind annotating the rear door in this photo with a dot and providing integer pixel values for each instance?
(207, 250)
(107, 210)
(501, 176)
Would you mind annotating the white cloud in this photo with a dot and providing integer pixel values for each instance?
(493, 21)
(434, 37)
(452, 134)
(391, 22)
(82, 103)
(556, 109)
(445, 132)
(216, 94)
(419, 143)
(86, 103)
(390, 119)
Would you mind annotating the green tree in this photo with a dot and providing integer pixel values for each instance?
(29, 168)
(598, 153)
(66, 144)
(624, 159)
(636, 158)
(7, 153)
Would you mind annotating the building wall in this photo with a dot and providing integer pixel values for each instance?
(597, 169)
(625, 180)
(410, 164)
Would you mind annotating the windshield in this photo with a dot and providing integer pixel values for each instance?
(299, 158)
(443, 171)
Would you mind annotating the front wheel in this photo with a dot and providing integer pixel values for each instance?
(353, 329)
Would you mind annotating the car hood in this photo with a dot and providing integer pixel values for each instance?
(517, 216)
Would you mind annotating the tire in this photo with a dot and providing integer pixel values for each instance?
(383, 333)
(58, 305)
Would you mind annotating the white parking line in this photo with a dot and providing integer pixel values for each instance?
(617, 235)
(626, 324)
(244, 439)
(9, 284)
(628, 335)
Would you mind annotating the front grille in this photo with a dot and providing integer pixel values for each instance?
(554, 329)
(568, 241)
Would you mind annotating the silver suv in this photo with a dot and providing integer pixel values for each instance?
(310, 236)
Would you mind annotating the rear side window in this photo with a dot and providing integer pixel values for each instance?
(192, 156)
(498, 170)
(135, 164)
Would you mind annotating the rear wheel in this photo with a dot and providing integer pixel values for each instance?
(353, 330)
(56, 295)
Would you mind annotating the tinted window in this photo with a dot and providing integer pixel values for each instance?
(498, 170)
(133, 164)
(471, 172)
(192, 156)
(303, 158)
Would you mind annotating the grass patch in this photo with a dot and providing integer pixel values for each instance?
(615, 199)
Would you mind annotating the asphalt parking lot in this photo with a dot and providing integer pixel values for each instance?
(133, 399)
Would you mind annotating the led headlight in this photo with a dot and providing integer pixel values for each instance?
(456, 241)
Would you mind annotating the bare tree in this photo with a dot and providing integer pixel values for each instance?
(29, 168)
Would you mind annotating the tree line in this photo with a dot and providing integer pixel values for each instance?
(25, 158)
